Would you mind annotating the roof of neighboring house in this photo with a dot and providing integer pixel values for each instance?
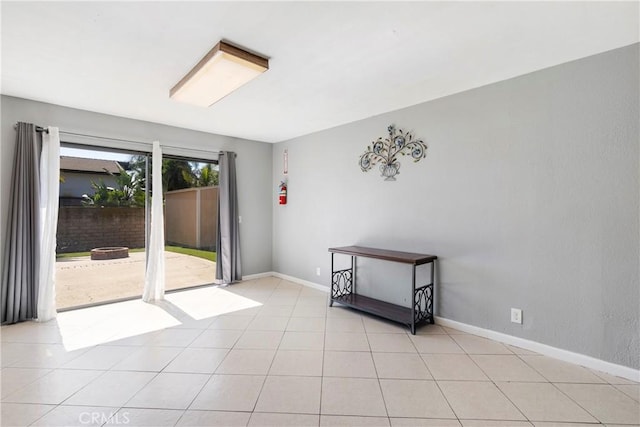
(79, 164)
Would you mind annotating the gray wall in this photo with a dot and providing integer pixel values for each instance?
(253, 163)
(529, 195)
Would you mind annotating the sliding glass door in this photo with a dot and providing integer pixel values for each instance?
(190, 189)
(102, 226)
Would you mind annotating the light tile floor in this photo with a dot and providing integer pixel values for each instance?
(268, 352)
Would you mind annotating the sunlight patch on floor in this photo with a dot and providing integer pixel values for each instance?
(135, 321)
(114, 322)
(210, 302)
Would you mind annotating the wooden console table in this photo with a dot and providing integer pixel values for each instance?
(343, 286)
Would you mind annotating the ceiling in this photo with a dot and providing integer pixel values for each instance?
(330, 62)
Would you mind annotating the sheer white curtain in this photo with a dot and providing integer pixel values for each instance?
(48, 224)
(154, 276)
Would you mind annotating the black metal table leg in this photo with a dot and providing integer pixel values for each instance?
(331, 290)
(353, 274)
(433, 295)
(413, 300)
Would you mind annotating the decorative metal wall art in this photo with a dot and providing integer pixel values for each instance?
(385, 151)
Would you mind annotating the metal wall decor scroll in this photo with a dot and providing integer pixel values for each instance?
(385, 151)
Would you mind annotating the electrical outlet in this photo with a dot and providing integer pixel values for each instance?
(516, 315)
(317, 271)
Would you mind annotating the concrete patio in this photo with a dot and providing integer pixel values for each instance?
(81, 281)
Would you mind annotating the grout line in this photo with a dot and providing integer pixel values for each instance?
(49, 370)
(554, 385)
(635, 398)
(325, 317)
(324, 349)
(266, 375)
(375, 368)
(496, 385)
(211, 376)
(444, 396)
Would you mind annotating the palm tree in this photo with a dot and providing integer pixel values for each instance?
(177, 174)
(206, 176)
(138, 166)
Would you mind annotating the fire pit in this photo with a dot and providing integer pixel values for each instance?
(112, 252)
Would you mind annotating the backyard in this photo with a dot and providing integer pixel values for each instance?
(104, 204)
(81, 281)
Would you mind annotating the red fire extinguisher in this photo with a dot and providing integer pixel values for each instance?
(282, 199)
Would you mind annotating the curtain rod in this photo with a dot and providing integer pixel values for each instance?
(146, 144)
(38, 128)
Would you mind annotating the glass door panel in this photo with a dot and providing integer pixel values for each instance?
(191, 204)
(100, 254)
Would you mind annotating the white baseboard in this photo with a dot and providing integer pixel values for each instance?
(547, 350)
(289, 278)
(259, 275)
(302, 282)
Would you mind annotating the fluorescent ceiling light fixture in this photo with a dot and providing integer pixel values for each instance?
(224, 69)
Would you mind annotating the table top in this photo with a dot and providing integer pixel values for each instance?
(385, 254)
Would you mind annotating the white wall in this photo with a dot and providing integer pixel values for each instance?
(253, 162)
(529, 195)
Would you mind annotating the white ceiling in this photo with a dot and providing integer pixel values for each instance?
(331, 62)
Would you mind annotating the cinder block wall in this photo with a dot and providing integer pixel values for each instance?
(84, 228)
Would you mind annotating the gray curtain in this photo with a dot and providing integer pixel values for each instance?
(20, 262)
(228, 265)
